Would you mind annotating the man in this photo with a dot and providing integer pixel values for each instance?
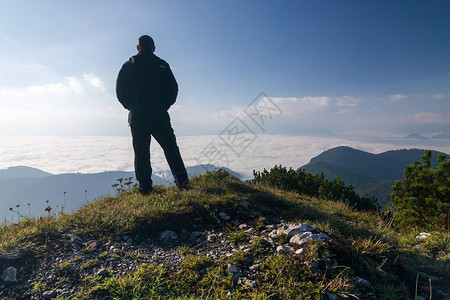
(147, 88)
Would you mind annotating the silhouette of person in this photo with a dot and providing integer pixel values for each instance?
(147, 87)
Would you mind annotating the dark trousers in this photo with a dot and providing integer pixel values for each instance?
(163, 133)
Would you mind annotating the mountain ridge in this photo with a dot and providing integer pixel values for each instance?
(370, 174)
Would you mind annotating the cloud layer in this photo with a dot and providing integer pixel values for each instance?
(96, 154)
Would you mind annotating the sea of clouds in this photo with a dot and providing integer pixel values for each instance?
(241, 153)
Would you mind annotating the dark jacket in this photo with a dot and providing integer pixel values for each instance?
(146, 87)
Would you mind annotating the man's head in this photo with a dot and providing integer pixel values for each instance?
(145, 42)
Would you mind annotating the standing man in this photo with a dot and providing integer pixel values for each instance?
(147, 88)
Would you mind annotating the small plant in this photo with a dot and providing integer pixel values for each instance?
(90, 263)
(48, 209)
(64, 269)
(183, 250)
(238, 237)
(38, 286)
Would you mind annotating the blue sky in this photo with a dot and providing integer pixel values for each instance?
(368, 68)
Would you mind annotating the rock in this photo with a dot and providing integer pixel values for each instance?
(248, 282)
(243, 226)
(285, 249)
(224, 216)
(168, 235)
(266, 241)
(232, 269)
(9, 275)
(245, 205)
(75, 239)
(362, 282)
(293, 229)
(303, 238)
(254, 268)
(273, 234)
(93, 244)
(271, 227)
(423, 236)
(212, 237)
(251, 230)
(381, 273)
(49, 294)
(324, 236)
(314, 267)
(300, 251)
(103, 272)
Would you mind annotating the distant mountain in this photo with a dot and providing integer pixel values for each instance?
(363, 185)
(25, 185)
(370, 174)
(22, 172)
(415, 136)
(443, 136)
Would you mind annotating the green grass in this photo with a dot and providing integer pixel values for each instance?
(361, 243)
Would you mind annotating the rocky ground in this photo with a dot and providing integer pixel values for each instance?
(57, 270)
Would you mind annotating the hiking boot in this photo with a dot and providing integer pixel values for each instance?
(185, 187)
(145, 192)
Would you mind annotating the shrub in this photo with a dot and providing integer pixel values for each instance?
(422, 198)
(314, 185)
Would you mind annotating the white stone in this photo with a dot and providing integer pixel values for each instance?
(293, 229)
(212, 237)
(273, 234)
(423, 236)
(248, 282)
(286, 249)
(10, 275)
(300, 251)
(303, 238)
(243, 226)
(250, 230)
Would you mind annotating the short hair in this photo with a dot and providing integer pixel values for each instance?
(146, 42)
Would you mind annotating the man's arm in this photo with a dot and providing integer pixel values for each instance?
(124, 85)
(171, 88)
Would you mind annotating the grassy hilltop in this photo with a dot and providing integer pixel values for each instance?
(112, 249)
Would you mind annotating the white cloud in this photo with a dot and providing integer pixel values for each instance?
(347, 101)
(422, 118)
(94, 81)
(22, 75)
(300, 105)
(397, 98)
(49, 90)
(75, 85)
(346, 111)
(438, 96)
(58, 107)
(88, 154)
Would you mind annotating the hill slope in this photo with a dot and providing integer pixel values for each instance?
(22, 172)
(372, 174)
(223, 238)
(363, 185)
